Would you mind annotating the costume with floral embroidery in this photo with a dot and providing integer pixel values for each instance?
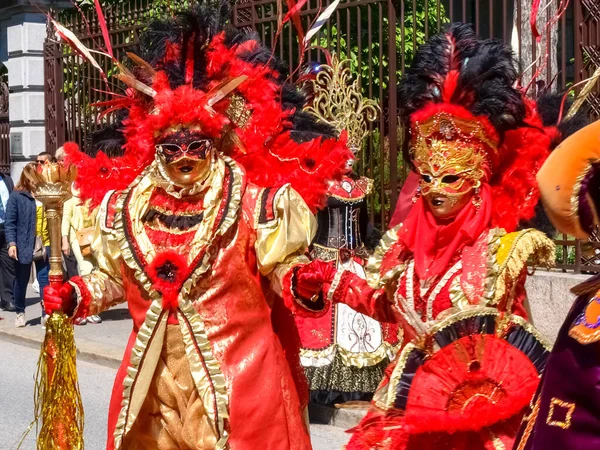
(344, 352)
(470, 362)
(198, 262)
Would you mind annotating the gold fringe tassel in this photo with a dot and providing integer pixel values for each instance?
(57, 398)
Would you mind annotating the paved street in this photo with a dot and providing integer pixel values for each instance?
(16, 401)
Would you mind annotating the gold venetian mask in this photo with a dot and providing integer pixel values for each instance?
(451, 157)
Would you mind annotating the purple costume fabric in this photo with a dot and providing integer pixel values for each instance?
(569, 393)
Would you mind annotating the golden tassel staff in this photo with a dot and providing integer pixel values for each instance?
(57, 398)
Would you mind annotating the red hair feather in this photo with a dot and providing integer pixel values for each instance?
(267, 152)
(514, 187)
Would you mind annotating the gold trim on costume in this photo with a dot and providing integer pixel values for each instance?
(235, 200)
(530, 419)
(213, 392)
(375, 279)
(310, 358)
(384, 398)
(335, 283)
(144, 356)
(496, 442)
(527, 326)
(574, 201)
(515, 251)
(570, 409)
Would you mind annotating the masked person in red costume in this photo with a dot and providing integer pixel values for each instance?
(198, 221)
(344, 352)
(452, 274)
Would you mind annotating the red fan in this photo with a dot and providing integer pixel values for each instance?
(473, 383)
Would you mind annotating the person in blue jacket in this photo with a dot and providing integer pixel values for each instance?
(20, 229)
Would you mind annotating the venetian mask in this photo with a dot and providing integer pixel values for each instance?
(451, 160)
(185, 156)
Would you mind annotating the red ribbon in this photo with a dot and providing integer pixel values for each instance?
(104, 28)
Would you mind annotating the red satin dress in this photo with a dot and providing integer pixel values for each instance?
(469, 362)
(203, 367)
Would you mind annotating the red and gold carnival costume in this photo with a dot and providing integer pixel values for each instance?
(452, 274)
(344, 353)
(198, 223)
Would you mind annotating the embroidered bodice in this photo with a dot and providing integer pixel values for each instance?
(343, 223)
(489, 273)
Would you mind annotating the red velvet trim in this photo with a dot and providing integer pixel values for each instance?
(298, 306)
(83, 306)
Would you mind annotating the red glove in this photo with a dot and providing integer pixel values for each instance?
(60, 299)
(314, 278)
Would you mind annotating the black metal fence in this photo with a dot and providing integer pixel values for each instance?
(379, 38)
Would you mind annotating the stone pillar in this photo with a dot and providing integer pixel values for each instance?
(22, 34)
(25, 39)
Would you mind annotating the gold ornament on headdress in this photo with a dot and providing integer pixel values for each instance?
(445, 144)
(339, 102)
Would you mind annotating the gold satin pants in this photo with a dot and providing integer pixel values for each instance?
(172, 416)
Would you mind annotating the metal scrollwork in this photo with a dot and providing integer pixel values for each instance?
(339, 101)
(3, 98)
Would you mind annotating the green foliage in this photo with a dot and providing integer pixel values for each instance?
(371, 61)
(378, 159)
(562, 258)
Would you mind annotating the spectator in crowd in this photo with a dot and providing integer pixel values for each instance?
(20, 229)
(40, 255)
(45, 156)
(60, 154)
(69, 258)
(7, 264)
(77, 234)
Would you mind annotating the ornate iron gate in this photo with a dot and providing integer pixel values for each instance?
(378, 36)
(4, 127)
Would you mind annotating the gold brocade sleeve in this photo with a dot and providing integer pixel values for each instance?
(102, 288)
(282, 241)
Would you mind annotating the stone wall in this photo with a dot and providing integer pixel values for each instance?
(550, 299)
(22, 34)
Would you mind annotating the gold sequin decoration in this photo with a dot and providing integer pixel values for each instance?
(237, 111)
(339, 102)
(554, 422)
(338, 376)
(530, 419)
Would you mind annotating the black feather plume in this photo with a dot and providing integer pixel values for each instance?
(485, 82)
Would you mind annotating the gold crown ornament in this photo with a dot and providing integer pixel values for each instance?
(339, 102)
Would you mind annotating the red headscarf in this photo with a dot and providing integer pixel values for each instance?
(405, 202)
(436, 243)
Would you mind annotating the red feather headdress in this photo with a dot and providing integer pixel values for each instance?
(226, 84)
(461, 90)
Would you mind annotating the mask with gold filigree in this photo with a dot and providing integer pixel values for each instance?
(454, 152)
(453, 155)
